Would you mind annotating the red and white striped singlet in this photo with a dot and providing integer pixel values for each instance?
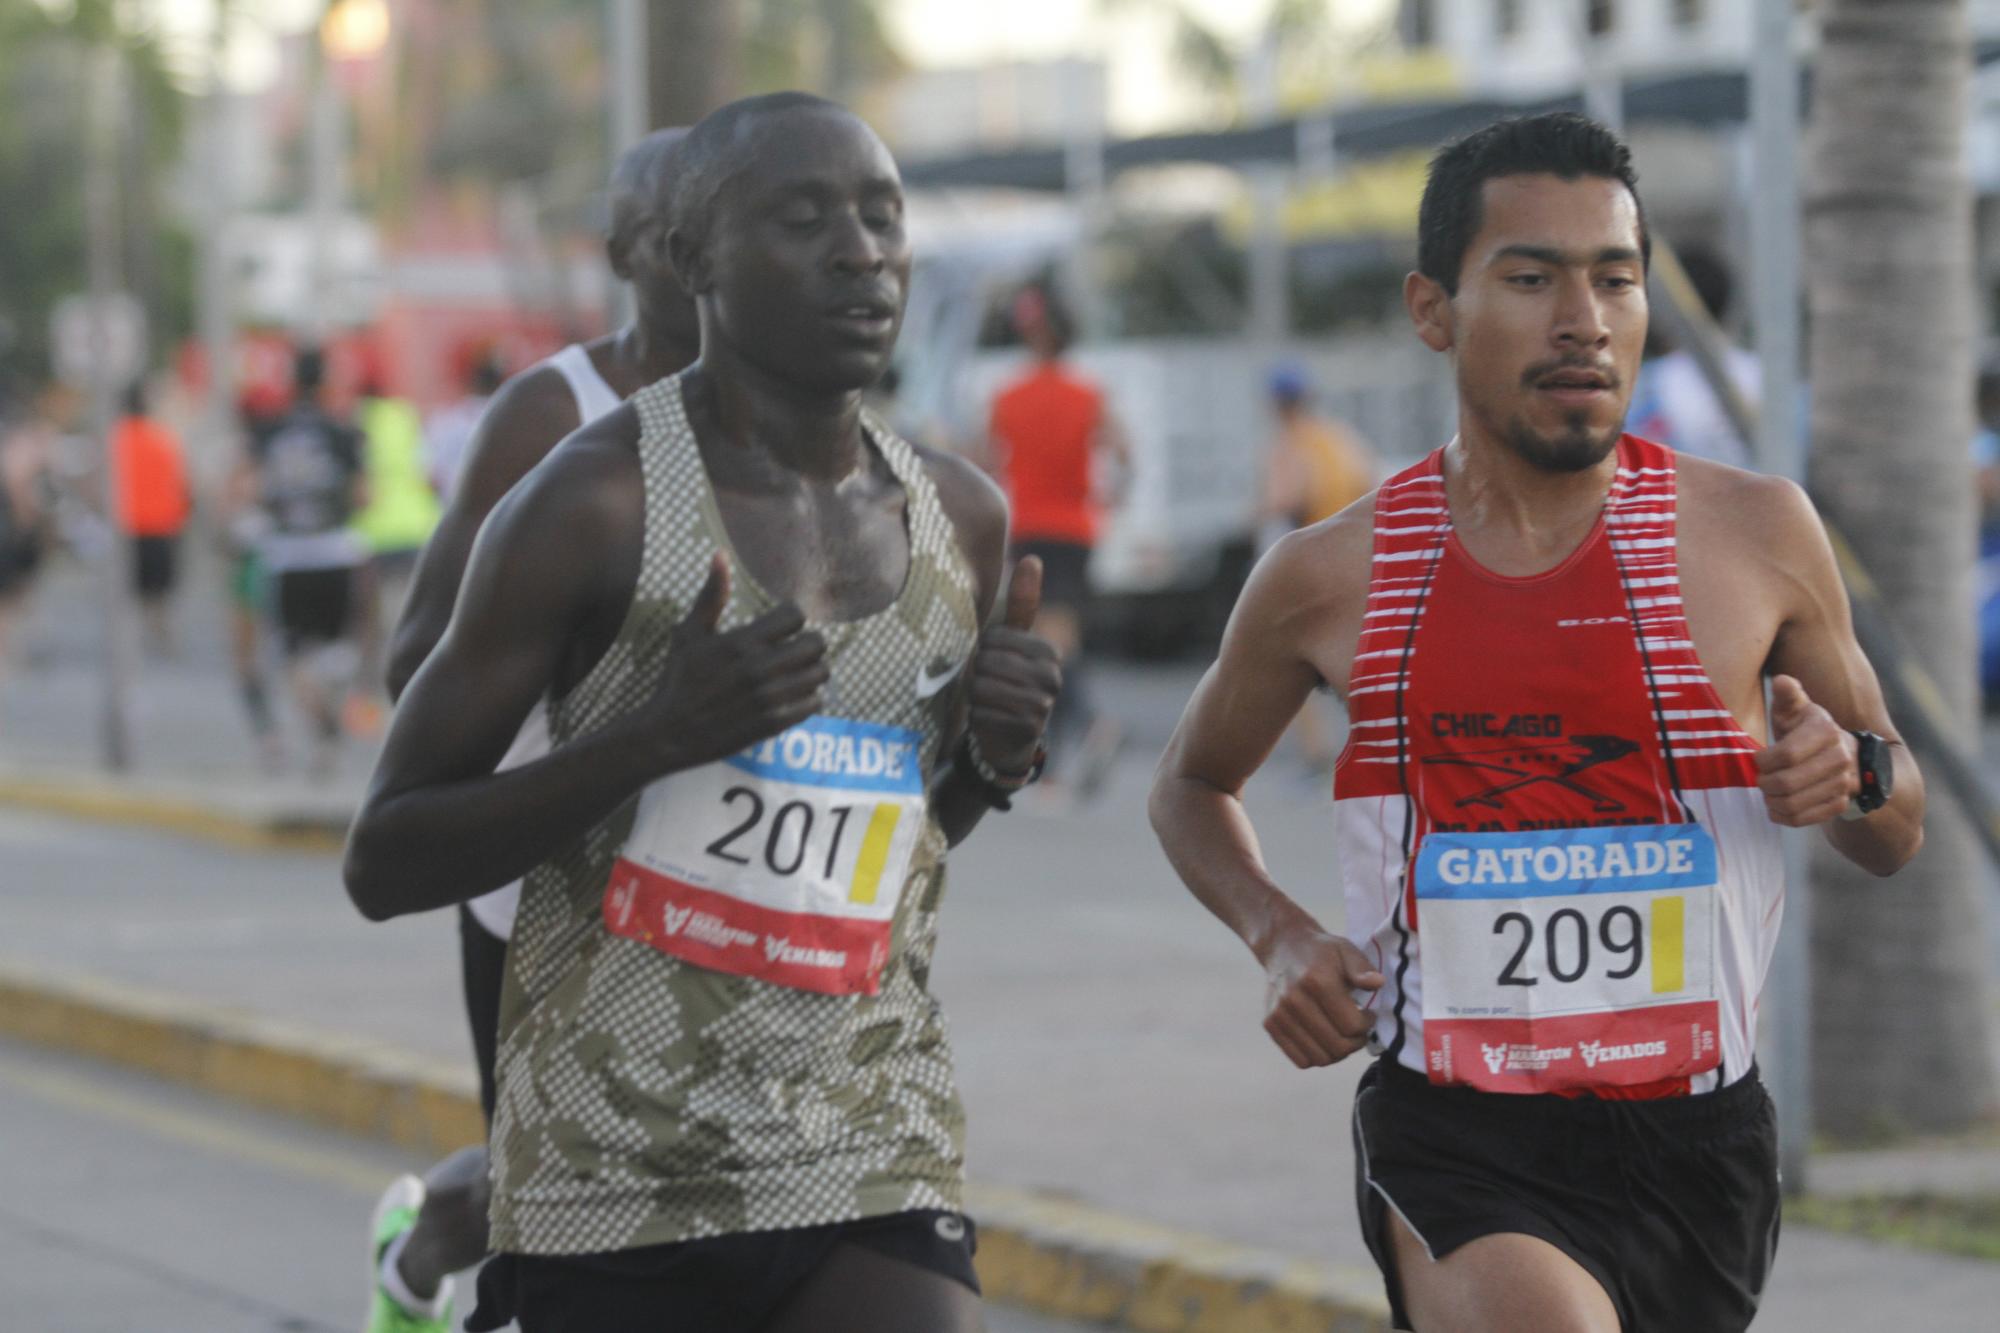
(1524, 726)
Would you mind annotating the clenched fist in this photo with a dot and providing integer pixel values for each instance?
(1808, 772)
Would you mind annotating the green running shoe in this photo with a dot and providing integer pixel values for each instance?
(395, 1214)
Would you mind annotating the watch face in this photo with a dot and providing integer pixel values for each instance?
(1878, 773)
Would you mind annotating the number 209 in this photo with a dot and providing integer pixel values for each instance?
(1566, 944)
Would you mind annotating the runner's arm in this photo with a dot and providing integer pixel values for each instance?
(526, 419)
(978, 513)
(438, 825)
(1816, 647)
(1239, 712)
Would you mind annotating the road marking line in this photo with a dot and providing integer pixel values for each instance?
(351, 1172)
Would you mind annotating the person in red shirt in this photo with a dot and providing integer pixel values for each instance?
(153, 508)
(1051, 439)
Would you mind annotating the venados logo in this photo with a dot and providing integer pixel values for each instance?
(1596, 1053)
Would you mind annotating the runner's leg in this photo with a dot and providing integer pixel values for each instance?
(450, 1233)
(860, 1291)
(1504, 1283)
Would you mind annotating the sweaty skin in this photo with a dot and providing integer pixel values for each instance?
(1545, 333)
(815, 226)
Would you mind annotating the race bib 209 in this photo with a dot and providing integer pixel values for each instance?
(1568, 959)
(784, 862)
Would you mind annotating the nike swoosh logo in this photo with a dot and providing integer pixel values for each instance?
(928, 684)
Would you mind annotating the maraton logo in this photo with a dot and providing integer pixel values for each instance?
(1522, 1057)
(1516, 768)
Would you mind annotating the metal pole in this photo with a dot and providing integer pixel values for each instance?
(1603, 90)
(1085, 179)
(106, 120)
(218, 323)
(626, 31)
(1270, 258)
(324, 150)
(1774, 246)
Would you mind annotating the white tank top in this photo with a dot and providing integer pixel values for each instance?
(594, 398)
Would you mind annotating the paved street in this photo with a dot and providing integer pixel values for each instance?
(132, 1205)
(1107, 1030)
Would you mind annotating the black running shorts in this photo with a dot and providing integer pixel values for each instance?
(1672, 1205)
(482, 957)
(154, 566)
(1065, 571)
(723, 1284)
(315, 606)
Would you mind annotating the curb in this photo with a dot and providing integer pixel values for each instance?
(111, 801)
(1036, 1252)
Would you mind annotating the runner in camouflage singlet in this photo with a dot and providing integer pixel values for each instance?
(754, 618)
(646, 1099)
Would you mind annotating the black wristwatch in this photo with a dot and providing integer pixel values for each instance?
(1878, 774)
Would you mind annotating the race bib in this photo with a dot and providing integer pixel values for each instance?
(1561, 959)
(784, 862)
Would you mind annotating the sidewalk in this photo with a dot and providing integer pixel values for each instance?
(1105, 1029)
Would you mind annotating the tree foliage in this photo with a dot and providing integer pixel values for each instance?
(44, 129)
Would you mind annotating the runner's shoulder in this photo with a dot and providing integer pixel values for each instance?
(533, 406)
(977, 508)
(968, 495)
(1326, 562)
(1753, 513)
(588, 491)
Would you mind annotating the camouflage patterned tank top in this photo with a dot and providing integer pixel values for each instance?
(717, 1015)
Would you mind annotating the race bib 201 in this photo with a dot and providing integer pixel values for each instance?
(784, 862)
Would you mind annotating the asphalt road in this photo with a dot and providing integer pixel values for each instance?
(129, 1205)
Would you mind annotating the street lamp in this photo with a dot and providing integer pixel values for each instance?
(350, 31)
(354, 29)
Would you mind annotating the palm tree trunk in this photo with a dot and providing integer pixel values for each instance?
(1902, 1023)
(694, 58)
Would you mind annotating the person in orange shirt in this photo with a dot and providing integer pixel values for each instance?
(1316, 467)
(1051, 439)
(153, 508)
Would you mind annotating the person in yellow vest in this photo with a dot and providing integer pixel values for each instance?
(1315, 467)
(401, 511)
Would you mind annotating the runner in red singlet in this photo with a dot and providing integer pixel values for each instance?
(1557, 811)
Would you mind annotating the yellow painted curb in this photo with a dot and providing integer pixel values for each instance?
(112, 803)
(356, 1086)
(1035, 1252)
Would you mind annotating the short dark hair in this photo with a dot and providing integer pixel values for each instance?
(1559, 143)
(309, 370)
(709, 156)
(642, 184)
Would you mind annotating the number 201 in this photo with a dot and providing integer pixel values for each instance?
(790, 815)
(1568, 933)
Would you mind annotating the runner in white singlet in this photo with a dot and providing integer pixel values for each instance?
(427, 1229)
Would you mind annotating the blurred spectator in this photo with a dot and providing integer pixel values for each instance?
(1986, 458)
(154, 504)
(27, 512)
(401, 511)
(243, 529)
(1315, 467)
(449, 429)
(307, 476)
(1051, 438)
(1672, 403)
